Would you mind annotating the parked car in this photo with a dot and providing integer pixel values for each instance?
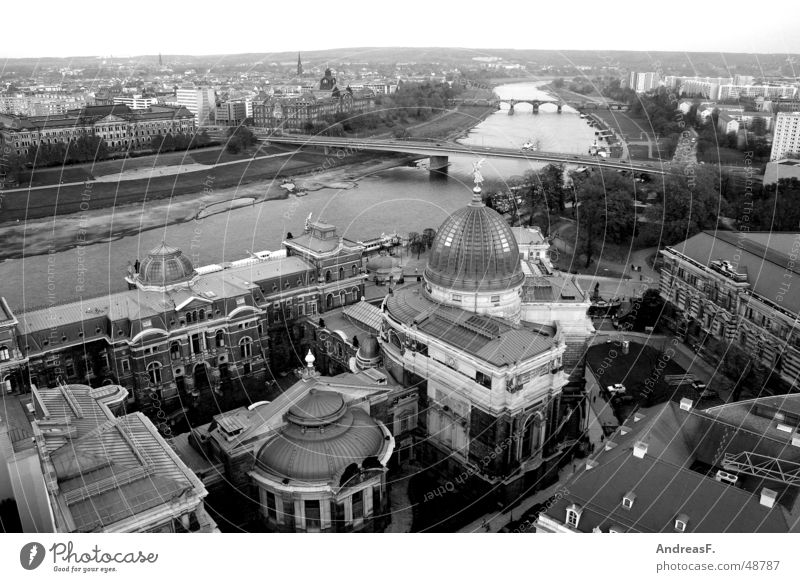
(616, 389)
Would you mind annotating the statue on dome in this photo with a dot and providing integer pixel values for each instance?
(308, 222)
(476, 172)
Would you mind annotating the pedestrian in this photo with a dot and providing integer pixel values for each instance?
(136, 266)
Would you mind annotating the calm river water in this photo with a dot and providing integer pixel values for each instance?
(399, 199)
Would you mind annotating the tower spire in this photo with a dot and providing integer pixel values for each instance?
(299, 65)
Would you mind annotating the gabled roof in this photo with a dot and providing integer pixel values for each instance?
(675, 476)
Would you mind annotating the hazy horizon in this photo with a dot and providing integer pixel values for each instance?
(96, 29)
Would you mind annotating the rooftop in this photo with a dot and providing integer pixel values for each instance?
(676, 475)
(764, 255)
(487, 338)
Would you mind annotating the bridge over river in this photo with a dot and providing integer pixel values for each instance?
(438, 152)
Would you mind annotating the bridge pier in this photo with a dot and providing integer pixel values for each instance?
(559, 108)
(438, 164)
(535, 107)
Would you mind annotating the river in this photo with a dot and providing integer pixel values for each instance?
(399, 199)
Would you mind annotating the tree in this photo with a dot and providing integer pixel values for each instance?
(690, 204)
(427, 237)
(416, 243)
(239, 138)
(776, 208)
(604, 213)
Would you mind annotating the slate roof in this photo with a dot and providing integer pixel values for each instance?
(764, 255)
(487, 338)
(676, 476)
(108, 468)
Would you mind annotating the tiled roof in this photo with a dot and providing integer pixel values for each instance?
(764, 255)
(676, 476)
(490, 339)
(365, 314)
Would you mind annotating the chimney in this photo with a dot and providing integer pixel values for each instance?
(768, 497)
(686, 404)
(640, 449)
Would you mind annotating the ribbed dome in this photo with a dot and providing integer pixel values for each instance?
(165, 265)
(474, 250)
(322, 437)
(318, 408)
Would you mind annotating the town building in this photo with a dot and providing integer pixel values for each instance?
(675, 469)
(313, 459)
(119, 126)
(12, 360)
(42, 103)
(231, 113)
(135, 101)
(786, 140)
(183, 341)
(202, 102)
(299, 112)
(734, 91)
(643, 82)
(737, 287)
(781, 170)
(101, 472)
(494, 346)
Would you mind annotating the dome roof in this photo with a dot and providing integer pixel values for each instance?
(382, 263)
(165, 265)
(323, 436)
(474, 250)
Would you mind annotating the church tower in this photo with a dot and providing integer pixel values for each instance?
(299, 66)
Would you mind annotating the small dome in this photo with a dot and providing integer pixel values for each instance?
(474, 250)
(321, 439)
(310, 359)
(165, 265)
(382, 263)
(318, 408)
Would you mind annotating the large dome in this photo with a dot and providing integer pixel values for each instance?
(322, 437)
(164, 266)
(474, 250)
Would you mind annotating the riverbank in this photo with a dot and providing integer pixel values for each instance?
(96, 225)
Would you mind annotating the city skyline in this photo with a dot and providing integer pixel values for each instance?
(413, 25)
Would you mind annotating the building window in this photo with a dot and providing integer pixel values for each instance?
(196, 346)
(312, 514)
(272, 513)
(573, 516)
(495, 299)
(219, 338)
(175, 351)
(484, 380)
(4, 354)
(126, 366)
(456, 298)
(154, 373)
(358, 505)
(288, 512)
(246, 347)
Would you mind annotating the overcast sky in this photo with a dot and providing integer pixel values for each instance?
(95, 27)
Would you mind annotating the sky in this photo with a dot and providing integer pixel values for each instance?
(93, 27)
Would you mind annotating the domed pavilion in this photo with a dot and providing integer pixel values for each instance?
(165, 268)
(474, 262)
(326, 468)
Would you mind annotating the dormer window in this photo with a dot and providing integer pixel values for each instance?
(573, 515)
(681, 522)
(628, 499)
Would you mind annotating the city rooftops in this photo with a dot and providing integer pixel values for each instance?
(765, 256)
(669, 456)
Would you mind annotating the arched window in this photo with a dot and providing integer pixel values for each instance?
(327, 276)
(219, 338)
(189, 317)
(175, 350)
(154, 373)
(355, 270)
(341, 273)
(329, 301)
(246, 347)
(202, 314)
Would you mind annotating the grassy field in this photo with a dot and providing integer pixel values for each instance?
(68, 199)
(451, 123)
(719, 155)
(625, 125)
